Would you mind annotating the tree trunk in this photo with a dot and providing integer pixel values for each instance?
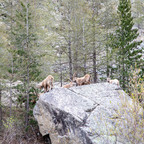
(70, 57)
(94, 46)
(69, 43)
(94, 65)
(84, 49)
(10, 104)
(107, 61)
(123, 67)
(61, 70)
(11, 65)
(75, 62)
(27, 85)
(123, 73)
(0, 106)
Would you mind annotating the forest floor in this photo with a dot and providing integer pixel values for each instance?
(13, 130)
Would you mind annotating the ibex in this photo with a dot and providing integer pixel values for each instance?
(47, 83)
(68, 85)
(115, 81)
(83, 80)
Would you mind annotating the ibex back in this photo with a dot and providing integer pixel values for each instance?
(83, 80)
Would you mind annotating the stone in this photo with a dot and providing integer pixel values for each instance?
(81, 115)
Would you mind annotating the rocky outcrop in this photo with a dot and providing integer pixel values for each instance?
(81, 115)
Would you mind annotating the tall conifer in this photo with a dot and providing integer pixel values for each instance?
(128, 51)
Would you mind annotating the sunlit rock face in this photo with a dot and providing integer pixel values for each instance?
(81, 115)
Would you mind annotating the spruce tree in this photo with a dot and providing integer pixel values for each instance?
(127, 47)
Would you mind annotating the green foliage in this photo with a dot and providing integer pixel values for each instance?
(128, 52)
(136, 86)
(20, 57)
(33, 94)
(21, 98)
(24, 50)
(129, 122)
(9, 122)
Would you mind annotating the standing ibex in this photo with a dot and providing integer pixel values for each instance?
(83, 80)
(47, 83)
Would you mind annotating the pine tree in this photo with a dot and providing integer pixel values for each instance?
(22, 49)
(25, 42)
(7, 9)
(127, 47)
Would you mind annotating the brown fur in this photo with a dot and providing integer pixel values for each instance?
(68, 85)
(83, 80)
(47, 83)
(115, 81)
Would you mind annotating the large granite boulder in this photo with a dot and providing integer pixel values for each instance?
(82, 115)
